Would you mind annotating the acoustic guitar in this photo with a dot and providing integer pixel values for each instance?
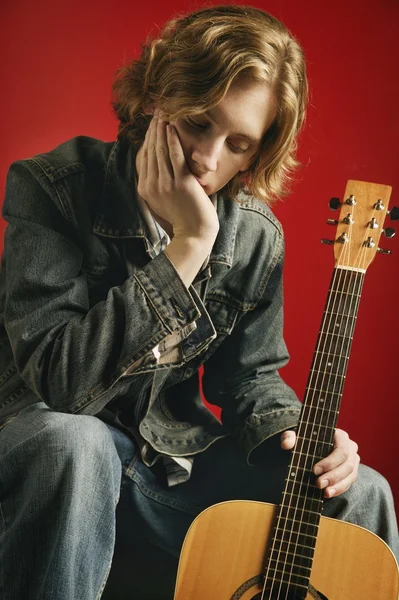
(246, 550)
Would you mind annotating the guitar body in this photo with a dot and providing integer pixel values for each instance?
(226, 546)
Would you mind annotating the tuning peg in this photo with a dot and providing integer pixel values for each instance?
(334, 203)
(351, 200)
(394, 213)
(389, 232)
(383, 251)
(332, 221)
(328, 242)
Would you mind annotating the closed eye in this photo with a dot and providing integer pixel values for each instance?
(203, 126)
(194, 124)
(237, 149)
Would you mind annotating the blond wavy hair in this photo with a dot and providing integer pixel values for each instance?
(189, 69)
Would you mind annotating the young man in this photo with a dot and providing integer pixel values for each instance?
(126, 267)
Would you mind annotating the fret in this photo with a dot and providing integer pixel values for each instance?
(300, 522)
(299, 468)
(334, 313)
(331, 355)
(328, 359)
(284, 548)
(323, 391)
(339, 327)
(309, 455)
(349, 284)
(308, 448)
(335, 332)
(297, 489)
(334, 344)
(345, 304)
(308, 513)
(307, 428)
(288, 576)
(295, 509)
(330, 382)
(280, 564)
(305, 462)
(296, 537)
(278, 567)
(327, 369)
(334, 291)
(277, 578)
(300, 518)
(311, 423)
(304, 493)
(324, 395)
(339, 287)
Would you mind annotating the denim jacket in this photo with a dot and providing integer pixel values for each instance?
(82, 307)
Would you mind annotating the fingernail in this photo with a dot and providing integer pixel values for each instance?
(324, 483)
(318, 470)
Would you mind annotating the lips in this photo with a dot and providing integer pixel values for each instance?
(202, 183)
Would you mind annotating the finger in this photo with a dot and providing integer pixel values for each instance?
(341, 477)
(339, 486)
(176, 153)
(164, 164)
(143, 171)
(288, 439)
(344, 449)
(152, 149)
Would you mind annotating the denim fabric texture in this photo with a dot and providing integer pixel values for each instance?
(82, 306)
(85, 511)
(70, 485)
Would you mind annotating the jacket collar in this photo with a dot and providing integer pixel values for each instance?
(119, 217)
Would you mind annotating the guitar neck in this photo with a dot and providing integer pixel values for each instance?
(294, 539)
(329, 366)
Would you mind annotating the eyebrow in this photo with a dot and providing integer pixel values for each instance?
(245, 136)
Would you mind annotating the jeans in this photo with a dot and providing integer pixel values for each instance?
(75, 499)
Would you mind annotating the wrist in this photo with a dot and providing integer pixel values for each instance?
(188, 254)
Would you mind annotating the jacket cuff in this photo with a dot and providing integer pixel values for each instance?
(167, 294)
(259, 428)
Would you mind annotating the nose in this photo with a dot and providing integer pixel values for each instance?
(206, 155)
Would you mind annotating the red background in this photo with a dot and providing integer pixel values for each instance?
(57, 68)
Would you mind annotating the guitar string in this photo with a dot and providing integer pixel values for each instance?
(329, 379)
(345, 275)
(327, 411)
(346, 323)
(341, 274)
(341, 277)
(301, 442)
(349, 324)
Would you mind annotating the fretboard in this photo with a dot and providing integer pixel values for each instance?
(292, 546)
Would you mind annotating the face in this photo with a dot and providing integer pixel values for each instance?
(220, 142)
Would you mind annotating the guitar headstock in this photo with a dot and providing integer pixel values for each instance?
(360, 223)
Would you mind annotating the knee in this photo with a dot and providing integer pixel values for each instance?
(372, 485)
(54, 440)
(78, 439)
